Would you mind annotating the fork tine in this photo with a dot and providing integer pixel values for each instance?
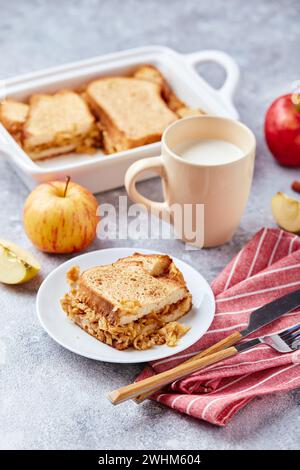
(289, 331)
(292, 338)
(290, 335)
(286, 341)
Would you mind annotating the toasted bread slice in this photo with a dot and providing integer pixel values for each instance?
(154, 264)
(59, 123)
(152, 74)
(123, 295)
(132, 112)
(13, 116)
(157, 265)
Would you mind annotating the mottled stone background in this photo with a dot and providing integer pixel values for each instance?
(51, 398)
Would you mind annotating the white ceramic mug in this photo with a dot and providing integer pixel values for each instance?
(222, 188)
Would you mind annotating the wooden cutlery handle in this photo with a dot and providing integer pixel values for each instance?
(219, 346)
(152, 383)
(224, 343)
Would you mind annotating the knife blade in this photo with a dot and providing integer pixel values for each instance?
(271, 311)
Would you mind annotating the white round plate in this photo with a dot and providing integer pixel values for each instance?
(72, 337)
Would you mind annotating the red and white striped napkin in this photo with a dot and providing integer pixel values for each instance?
(266, 268)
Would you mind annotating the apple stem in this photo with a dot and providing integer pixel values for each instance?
(67, 184)
(296, 101)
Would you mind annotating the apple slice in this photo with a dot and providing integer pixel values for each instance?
(16, 264)
(286, 211)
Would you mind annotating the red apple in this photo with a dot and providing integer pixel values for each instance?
(60, 217)
(282, 130)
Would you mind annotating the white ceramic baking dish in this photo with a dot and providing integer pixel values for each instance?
(103, 172)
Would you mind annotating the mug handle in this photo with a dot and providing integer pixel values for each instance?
(134, 171)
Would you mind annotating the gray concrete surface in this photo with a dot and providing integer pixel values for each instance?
(51, 398)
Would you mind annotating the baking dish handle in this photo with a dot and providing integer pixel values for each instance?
(223, 59)
(154, 164)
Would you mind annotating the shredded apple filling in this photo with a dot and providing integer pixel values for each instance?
(73, 275)
(142, 334)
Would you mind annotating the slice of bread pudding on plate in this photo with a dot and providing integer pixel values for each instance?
(134, 302)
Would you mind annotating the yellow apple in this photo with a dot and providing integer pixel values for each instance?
(60, 217)
(16, 264)
(286, 211)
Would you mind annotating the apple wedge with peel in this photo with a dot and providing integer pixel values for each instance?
(16, 264)
(286, 211)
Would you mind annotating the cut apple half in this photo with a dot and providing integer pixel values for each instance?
(16, 264)
(286, 211)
